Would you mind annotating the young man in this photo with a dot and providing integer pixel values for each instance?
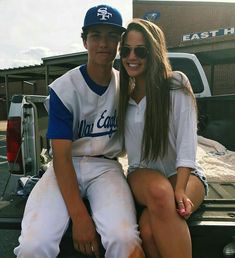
(82, 129)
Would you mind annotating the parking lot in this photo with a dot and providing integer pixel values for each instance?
(8, 238)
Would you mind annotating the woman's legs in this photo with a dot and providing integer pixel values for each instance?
(170, 232)
(146, 234)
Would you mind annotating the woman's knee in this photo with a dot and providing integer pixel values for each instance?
(159, 195)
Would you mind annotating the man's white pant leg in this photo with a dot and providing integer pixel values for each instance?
(114, 214)
(45, 220)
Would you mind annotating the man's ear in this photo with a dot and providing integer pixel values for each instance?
(85, 44)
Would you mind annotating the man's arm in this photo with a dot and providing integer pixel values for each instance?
(84, 232)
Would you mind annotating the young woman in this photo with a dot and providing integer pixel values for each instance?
(158, 115)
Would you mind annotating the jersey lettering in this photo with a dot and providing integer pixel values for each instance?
(85, 129)
(107, 122)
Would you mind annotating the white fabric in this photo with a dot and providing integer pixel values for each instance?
(46, 218)
(217, 162)
(92, 114)
(182, 135)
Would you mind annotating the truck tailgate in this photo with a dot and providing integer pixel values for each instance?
(211, 227)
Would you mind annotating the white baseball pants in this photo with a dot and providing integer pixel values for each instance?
(46, 218)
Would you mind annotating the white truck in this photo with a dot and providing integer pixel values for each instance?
(27, 119)
(212, 227)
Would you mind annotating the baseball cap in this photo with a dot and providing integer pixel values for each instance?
(101, 15)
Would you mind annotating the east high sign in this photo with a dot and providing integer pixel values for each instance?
(209, 34)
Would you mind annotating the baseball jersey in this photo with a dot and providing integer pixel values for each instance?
(86, 113)
(182, 137)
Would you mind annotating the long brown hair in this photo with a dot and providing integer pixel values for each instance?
(158, 74)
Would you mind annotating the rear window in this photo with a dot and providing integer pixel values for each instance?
(189, 68)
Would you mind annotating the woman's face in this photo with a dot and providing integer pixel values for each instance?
(134, 54)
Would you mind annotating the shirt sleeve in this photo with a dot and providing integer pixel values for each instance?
(186, 130)
(187, 139)
(60, 124)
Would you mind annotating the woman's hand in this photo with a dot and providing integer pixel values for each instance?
(183, 204)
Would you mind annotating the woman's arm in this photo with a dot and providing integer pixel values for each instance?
(183, 203)
(185, 121)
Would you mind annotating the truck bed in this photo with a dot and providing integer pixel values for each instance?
(211, 227)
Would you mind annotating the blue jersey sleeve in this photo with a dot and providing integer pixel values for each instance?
(60, 124)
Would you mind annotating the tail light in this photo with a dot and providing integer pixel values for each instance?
(14, 141)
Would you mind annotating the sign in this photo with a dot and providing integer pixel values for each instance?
(208, 34)
(152, 16)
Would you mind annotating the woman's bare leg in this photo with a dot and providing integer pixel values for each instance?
(170, 231)
(146, 235)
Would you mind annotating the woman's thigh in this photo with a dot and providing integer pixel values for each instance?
(142, 181)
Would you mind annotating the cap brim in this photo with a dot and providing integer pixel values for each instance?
(120, 28)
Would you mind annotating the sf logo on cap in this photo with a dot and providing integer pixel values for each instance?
(105, 15)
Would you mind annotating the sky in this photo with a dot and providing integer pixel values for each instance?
(33, 29)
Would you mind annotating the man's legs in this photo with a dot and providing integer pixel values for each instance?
(113, 209)
(45, 220)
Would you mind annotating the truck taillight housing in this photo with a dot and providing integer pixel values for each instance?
(14, 141)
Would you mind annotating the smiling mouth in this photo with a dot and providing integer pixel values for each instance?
(133, 65)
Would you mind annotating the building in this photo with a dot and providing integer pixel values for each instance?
(34, 80)
(206, 29)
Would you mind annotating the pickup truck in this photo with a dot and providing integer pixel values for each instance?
(212, 227)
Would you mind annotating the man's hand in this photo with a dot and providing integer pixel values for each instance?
(85, 238)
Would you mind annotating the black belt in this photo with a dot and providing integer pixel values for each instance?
(104, 157)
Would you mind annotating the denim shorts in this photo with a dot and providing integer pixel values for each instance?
(202, 178)
(196, 172)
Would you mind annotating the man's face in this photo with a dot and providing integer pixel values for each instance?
(101, 43)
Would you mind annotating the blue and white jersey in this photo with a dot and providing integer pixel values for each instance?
(85, 113)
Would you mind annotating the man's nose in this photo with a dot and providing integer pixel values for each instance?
(103, 40)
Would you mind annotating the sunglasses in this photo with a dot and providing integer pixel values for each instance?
(140, 52)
